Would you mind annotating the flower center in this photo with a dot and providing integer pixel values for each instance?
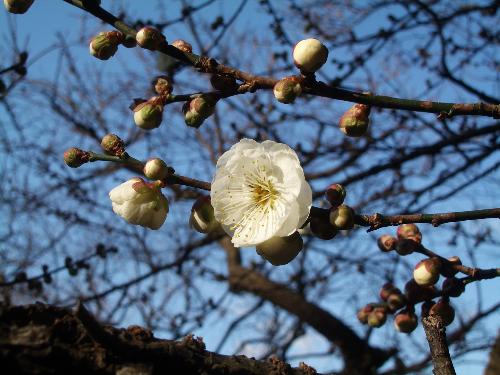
(264, 193)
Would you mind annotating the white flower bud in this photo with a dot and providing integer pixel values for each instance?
(281, 250)
(150, 38)
(426, 272)
(140, 203)
(309, 55)
(17, 6)
(148, 115)
(155, 169)
(287, 89)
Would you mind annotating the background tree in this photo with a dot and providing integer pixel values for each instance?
(61, 242)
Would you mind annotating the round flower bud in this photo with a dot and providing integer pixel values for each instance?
(17, 6)
(113, 145)
(183, 45)
(447, 269)
(322, 228)
(163, 85)
(386, 290)
(150, 38)
(335, 194)
(287, 89)
(155, 169)
(363, 313)
(386, 243)
(74, 157)
(417, 293)
(223, 83)
(377, 317)
(405, 321)
(148, 115)
(280, 250)
(193, 119)
(309, 55)
(105, 44)
(453, 287)
(396, 301)
(342, 217)
(409, 231)
(202, 216)
(443, 310)
(426, 271)
(197, 110)
(354, 122)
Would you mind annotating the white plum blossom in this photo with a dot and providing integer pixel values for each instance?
(140, 203)
(259, 191)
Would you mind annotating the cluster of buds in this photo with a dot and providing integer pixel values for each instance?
(105, 44)
(287, 89)
(198, 110)
(281, 250)
(17, 6)
(354, 122)
(309, 55)
(149, 114)
(74, 157)
(150, 38)
(113, 145)
(183, 45)
(202, 216)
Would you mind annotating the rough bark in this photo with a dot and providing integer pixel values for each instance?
(493, 367)
(435, 332)
(43, 339)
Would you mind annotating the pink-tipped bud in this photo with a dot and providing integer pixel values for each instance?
(426, 271)
(183, 45)
(354, 122)
(416, 293)
(386, 291)
(223, 83)
(447, 269)
(396, 301)
(156, 169)
(17, 6)
(113, 145)
(163, 85)
(287, 89)
(322, 228)
(453, 287)
(444, 311)
(342, 217)
(74, 157)
(386, 243)
(405, 322)
(150, 38)
(280, 250)
(309, 55)
(104, 45)
(202, 216)
(335, 194)
(377, 317)
(148, 115)
(363, 313)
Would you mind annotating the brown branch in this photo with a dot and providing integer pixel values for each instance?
(209, 65)
(359, 356)
(40, 338)
(493, 367)
(435, 332)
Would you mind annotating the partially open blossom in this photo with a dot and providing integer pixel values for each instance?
(150, 38)
(354, 122)
(259, 191)
(287, 89)
(335, 194)
(342, 217)
(386, 243)
(406, 321)
(309, 55)
(183, 45)
(105, 44)
(17, 6)
(281, 250)
(140, 203)
(426, 271)
(148, 115)
(155, 169)
(74, 157)
(202, 216)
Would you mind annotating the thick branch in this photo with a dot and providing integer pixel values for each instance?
(435, 332)
(493, 366)
(39, 338)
